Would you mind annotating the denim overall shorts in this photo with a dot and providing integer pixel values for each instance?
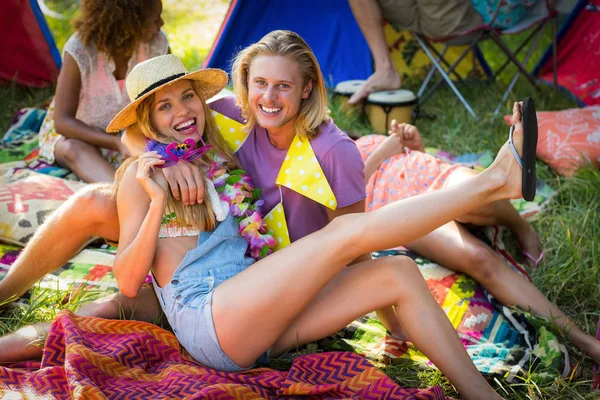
(187, 299)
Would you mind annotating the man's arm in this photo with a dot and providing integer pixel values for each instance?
(184, 178)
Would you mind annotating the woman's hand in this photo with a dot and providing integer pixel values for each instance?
(391, 145)
(400, 138)
(411, 138)
(146, 162)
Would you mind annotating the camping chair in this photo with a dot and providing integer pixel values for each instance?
(538, 17)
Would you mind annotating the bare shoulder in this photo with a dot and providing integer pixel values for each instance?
(127, 185)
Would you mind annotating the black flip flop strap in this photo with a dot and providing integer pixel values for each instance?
(512, 146)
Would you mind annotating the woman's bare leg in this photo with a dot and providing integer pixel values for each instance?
(391, 280)
(454, 247)
(90, 212)
(500, 213)
(84, 160)
(497, 213)
(292, 277)
(24, 344)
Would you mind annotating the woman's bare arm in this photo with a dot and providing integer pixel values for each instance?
(140, 216)
(66, 102)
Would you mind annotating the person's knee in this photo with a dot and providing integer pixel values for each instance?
(403, 274)
(96, 201)
(72, 151)
(482, 263)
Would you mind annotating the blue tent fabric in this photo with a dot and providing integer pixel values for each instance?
(41, 20)
(328, 26)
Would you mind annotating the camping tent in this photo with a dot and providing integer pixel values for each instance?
(28, 53)
(328, 26)
(578, 57)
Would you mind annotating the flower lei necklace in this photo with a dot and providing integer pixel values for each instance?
(233, 186)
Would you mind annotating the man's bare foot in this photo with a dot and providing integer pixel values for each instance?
(382, 79)
(505, 173)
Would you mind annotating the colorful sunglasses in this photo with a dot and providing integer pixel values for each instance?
(173, 152)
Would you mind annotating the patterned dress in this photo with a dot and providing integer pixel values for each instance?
(402, 176)
(101, 95)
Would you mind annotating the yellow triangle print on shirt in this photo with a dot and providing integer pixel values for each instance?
(231, 130)
(277, 227)
(302, 173)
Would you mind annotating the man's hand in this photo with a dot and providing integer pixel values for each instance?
(124, 150)
(133, 139)
(185, 182)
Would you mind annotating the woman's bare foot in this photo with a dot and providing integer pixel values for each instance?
(382, 79)
(505, 173)
(530, 245)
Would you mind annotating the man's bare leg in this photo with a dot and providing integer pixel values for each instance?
(27, 343)
(368, 16)
(90, 212)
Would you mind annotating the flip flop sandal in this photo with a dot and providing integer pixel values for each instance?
(530, 137)
(536, 261)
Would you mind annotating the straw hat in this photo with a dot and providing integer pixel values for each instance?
(151, 75)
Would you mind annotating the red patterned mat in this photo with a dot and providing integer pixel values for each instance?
(93, 358)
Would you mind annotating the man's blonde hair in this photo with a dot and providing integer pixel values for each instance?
(313, 110)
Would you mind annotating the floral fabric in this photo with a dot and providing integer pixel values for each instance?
(402, 176)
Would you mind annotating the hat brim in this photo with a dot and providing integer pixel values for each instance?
(211, 80)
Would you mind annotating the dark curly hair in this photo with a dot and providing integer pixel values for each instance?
(114, 26)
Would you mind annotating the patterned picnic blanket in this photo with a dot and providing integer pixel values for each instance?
(21, 138)
(501, 341)
(92, 358)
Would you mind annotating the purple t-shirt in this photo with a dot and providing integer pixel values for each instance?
(337, 154)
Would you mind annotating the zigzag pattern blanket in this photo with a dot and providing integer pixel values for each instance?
(92, 358)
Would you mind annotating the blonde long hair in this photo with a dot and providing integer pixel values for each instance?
(313, 110)
(200, 215)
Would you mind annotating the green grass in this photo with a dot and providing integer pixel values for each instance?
(569, 227)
